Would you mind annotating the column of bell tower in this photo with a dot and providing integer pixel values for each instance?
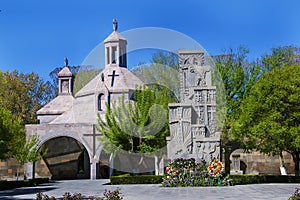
(115, 49)
(65, 79)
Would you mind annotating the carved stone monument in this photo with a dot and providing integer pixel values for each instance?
(193, 120)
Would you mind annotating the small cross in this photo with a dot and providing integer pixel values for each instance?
(66, 61)
(94, 135)
(113, 77)
(115, 24)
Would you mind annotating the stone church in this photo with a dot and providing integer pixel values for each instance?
(67, 124)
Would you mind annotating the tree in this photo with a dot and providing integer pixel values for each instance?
(9, 129)
(13, 143)
(25, 150)
(23, 94)
(140, 126)
(280, 56)
(166, 58)
(237, 77)
(162, 70)
(268, 119)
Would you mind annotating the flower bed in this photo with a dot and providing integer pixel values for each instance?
(186, 172)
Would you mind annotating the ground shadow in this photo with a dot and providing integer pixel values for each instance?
(7, 194)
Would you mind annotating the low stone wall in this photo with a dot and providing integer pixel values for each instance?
(8, 170)
(258, 163)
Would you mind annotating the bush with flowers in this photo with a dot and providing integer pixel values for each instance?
(187, 172)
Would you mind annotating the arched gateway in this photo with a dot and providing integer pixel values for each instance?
(67, 125)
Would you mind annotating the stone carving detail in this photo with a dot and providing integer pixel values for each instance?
(207, 150)
(201, 115)
(65, 86)
(193, 120)
(201, 76)
(199, 97)
(187, 59)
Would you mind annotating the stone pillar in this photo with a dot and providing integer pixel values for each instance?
(110, 55)
(161, 167)
(28, 170)
(111, 164)
(156, 164)
(93, 168)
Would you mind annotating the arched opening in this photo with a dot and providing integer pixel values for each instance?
(66, 158)
(104, 167)
(100, 102)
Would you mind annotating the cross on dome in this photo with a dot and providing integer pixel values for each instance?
(66, 62)
(115, 24)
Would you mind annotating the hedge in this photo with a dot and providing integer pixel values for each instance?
(240, 179)
(138, 179)
(236, 179)
(7, 185)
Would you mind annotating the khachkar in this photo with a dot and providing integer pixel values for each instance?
(193, 120)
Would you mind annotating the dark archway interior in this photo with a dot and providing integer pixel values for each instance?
(104, 168)
(66, 158)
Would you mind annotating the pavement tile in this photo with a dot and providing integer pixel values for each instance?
(155, 191)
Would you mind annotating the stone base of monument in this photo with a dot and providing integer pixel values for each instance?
(283, 171)
(236, 172)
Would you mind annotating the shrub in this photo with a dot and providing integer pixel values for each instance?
(6, 185)
(138, 179)
(296, 195)
(114, 195)
(108, 195)
(240, 179)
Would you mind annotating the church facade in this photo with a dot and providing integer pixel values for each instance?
(67, 124)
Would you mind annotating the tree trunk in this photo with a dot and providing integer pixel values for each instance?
(281, 162)
(227, 159)
(296, 161)
(33, 170)
(18, 171)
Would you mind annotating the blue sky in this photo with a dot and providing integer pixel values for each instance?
(37, 35)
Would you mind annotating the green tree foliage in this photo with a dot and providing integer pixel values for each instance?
(25, 150)
(162, 70)
(238, 76)
(268, 118)
(10, 129)
(280, 56)
(140, 126)
(166, 58)
(23, 94)
(13, 142)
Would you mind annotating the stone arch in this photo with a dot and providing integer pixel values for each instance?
(68, 157)
(100, 102)
(70, 134)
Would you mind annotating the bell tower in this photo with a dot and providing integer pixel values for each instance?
(65, 77)
(115, 49)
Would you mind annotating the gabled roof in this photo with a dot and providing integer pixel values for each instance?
(114, 37)
(65, 72)
(57, 106)
(122, 80)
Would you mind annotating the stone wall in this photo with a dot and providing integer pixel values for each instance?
(258, 163)
(8, 169)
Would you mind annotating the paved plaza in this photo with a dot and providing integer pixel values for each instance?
(155, 191)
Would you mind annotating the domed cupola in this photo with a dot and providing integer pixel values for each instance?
(115, 48)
